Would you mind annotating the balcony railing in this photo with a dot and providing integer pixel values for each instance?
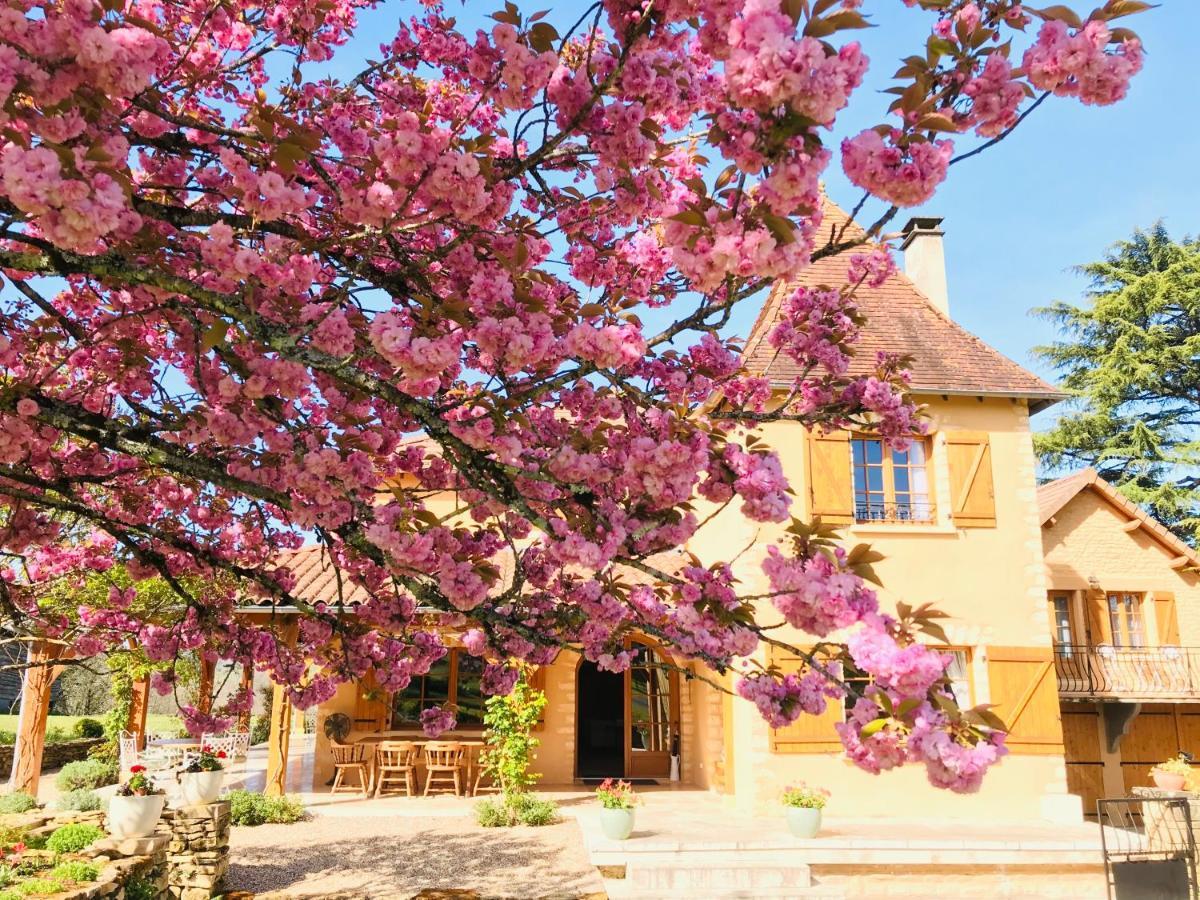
(1128, 673)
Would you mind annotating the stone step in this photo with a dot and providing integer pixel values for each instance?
(621, 889)
(717, 874)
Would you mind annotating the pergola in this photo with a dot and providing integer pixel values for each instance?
(45, 662)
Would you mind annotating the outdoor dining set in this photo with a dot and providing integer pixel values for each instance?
(166, 755)
(383, 765)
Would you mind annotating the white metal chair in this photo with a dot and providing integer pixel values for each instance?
(218, 743)
(128, 743)
(241, 744)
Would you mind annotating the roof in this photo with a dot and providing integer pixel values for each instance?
(945, 357)
(1054, 495)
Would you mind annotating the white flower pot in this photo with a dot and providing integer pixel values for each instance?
(131, 817)
(617, 824)
(803, 823)
(200, 788)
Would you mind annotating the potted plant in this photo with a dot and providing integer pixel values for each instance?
(1173, 774)
(617, 800)
(136, 807)
(200, 782)
(802, 806)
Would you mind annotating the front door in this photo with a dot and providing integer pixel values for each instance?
(600, 735)
(651, 711)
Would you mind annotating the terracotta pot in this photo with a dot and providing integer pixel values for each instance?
(131, 817)
(617, 824)
(200, 788)
(803, 822)
(1168, 781)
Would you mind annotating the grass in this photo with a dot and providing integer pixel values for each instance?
(158, 722)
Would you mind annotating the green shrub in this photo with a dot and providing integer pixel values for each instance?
(260, 730)
(85, 774)
(82, 800)
(40, 886)
(56, 734)
(8, 738)
(249, 808)
(516, 809)
(139, 889)
(16, 802)
(73, 838)
(75, 870)
(89, 728)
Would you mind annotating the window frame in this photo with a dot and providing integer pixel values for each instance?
(1130, 607)
(888, 468)
(453, 655)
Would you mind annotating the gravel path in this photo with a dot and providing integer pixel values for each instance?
(381, 858)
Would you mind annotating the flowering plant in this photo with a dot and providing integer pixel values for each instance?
(616, 794)
(138, 784)
(804, 797)
(246, 303)
(1177, 765)
(207, 761)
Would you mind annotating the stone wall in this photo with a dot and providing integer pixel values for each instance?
(198, 853)
(55, 755)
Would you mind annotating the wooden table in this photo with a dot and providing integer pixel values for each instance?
(471, 746)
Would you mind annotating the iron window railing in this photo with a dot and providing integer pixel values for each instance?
(916, 511)
(1134, 672)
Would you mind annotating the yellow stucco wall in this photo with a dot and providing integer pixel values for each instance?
(1086, 540)
(990, 581)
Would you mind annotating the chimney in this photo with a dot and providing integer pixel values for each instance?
(925, 261)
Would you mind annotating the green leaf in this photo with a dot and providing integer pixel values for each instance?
(873, 727)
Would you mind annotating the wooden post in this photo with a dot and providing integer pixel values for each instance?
(36, 682)
(243, 722)
(281, 727)
(208, 669)
(139, 706)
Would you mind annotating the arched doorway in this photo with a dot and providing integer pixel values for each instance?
(628, 723)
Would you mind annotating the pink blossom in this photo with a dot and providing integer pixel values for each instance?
(1078, 64)
(903, 175)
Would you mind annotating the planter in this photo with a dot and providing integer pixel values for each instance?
(803, 822)
(200, 788)
(617, 824)
(134, 816)
(1168, 781)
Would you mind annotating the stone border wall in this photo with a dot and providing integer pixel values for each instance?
(55, 755)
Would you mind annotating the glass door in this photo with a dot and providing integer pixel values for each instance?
(652, 713)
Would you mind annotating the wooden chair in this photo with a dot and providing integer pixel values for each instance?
(444, 764)
(395, 765)
(349, 758)
(480, 774)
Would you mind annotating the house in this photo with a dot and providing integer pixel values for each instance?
(956, 517)
(1124, 602)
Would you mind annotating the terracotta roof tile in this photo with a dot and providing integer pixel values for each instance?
(946, 358)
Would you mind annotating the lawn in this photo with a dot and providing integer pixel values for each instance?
(8, 723)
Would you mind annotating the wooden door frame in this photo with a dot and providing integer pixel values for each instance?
(674, 716)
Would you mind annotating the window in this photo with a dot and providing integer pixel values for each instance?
(1061, 614)
(958, 673)
(456, 679)
(890, 485)
(649, 702)
(1125, 620)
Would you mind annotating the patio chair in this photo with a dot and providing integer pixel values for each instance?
(217, 743)
(350, 758)
(241, 744)
(484, 780)
(128, 743)
(395, 765)
(444, 765)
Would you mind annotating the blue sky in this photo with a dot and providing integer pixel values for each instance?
(1056, 193)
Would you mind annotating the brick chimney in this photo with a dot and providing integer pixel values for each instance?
(925, 260)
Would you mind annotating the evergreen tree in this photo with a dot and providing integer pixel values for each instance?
(1130, 355)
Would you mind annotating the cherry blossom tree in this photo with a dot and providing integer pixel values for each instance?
(247, 304)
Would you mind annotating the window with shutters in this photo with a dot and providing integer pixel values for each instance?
(890, 485)
(454, 679)
(1125, 620)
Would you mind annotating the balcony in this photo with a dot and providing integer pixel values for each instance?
(1127, 673)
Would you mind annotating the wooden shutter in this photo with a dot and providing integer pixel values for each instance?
(537, 681)
(1024, 692)
(829, 481)
(808, 734)
(1168, 622)
(1099, 627)
(372, 705)
(972, 497)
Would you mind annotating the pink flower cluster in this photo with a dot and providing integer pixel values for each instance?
(436, 721)
(995, 95)
(781, 701)
(1079, 64)
(902, 175)
(815, 328)
(818, 594)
